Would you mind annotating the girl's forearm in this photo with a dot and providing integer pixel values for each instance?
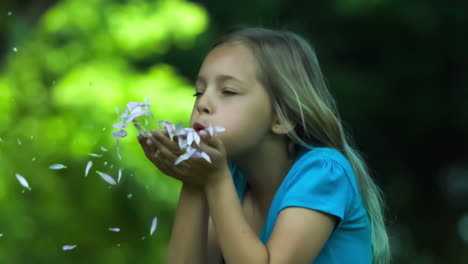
(237, 240)
(189, 233)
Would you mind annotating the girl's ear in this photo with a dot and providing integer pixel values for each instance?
(282, 129)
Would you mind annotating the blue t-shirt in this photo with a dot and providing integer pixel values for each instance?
(322, 179)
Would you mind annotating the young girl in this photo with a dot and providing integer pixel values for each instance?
(284, 184)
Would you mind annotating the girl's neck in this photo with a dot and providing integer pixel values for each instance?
(266, 169)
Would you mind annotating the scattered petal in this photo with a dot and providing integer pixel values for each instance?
(23, 181)
(120, 175)
(121, 134)
(1, 235)
(116, 229)
(154, 225)
(88, 166)
(103, 149)
(15, 49)
(19, 141)
(119, 126)
(106, 177)
(95, 155)
(129, 196)
(57, 167)
(34, 158)
(118, 149)
(141, 130)
(9, 13)
(1, 140)
(105, 163)
(68, 247)
(186, 156)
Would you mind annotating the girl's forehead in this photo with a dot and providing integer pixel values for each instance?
(234, 60)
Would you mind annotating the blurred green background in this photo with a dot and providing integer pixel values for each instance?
(398, 70)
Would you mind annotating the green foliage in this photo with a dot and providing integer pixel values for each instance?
(59, 88)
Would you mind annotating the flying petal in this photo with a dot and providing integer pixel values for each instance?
(68, 247)
(106, 177)
(88, 166)
(57, 167)
(121, 134)
(154, 224)
(23, 181)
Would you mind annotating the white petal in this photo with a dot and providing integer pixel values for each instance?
(57, 167)
(210, 130)
(170, 128)
(186, 156)
(88, 166)
(1, 140)
(121, 134)
(23, 181)
(116, 229)
(68, 247)
(103, 149)
(205, 156)
(197, 138)
(141, 130)
(18, 140)
(179, 126)
(119, 126)
(106, 177)
(136, 113)
(220, 129)
(190, 139)
(182, 143)
(120, 175)
(118, 149)
(154, 225)
(95, 155)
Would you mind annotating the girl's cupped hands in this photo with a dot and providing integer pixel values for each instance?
(163, 152)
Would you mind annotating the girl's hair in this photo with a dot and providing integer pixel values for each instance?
(289, 70)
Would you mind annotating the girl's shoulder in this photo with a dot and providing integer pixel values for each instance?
(322, 164)
(325, 155)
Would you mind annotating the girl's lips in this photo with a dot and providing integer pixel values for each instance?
(197, 126)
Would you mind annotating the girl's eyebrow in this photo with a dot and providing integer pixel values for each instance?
(219, 79)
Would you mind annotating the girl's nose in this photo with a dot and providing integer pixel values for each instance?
(204, 104)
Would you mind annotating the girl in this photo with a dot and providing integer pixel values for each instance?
(284, 184)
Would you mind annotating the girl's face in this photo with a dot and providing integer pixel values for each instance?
(229, 95)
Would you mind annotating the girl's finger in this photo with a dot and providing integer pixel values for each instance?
(173, 146)
(164, 154)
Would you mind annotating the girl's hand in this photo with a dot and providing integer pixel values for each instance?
(195, 171)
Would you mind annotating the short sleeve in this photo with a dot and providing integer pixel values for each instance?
(319, 184)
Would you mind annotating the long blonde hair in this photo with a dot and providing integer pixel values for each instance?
(289, 70)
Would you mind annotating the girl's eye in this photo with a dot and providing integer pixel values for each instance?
(229, 92)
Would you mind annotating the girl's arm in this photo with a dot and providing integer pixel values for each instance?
(188, 242)
(297, 237)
